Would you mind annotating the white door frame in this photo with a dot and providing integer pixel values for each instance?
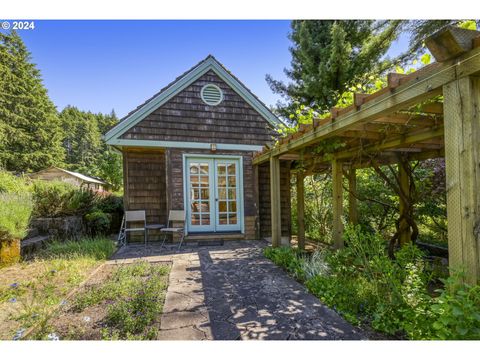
(240, 202)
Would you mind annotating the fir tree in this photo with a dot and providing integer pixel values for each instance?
(330, 56)
(30, 133)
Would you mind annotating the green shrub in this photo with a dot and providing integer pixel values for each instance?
(83, 201)
(12, 184)
(15, 212)
(57, 198)
(110, 203)
(52, 198)
(456, 312)
(286, 258)
(364, 285)
(97, 222)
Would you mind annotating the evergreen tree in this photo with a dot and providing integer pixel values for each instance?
(330, 56)
(86, 152)
(82, 141)
(30, 133)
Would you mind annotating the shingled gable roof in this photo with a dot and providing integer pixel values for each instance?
(179, 84)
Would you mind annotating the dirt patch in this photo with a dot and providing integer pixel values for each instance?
(105, 307)
(29, 290)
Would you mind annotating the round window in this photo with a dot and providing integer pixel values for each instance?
(211, 94)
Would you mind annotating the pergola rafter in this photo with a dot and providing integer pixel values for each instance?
(406, 120)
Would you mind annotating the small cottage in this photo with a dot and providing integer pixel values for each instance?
(190, 147)
(74, 178)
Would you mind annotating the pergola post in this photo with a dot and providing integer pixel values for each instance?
(352, 200)
(404, 182)
(337, 229)
(301, 210)
(462, 157)
(275, 207)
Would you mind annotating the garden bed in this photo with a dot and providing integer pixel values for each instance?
(391, 298)
(119, 302)
(30, 290)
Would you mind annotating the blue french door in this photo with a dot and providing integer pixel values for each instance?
(213, 195)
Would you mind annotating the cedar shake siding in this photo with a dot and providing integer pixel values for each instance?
(186, 117)
(145, 186)
(264, 199)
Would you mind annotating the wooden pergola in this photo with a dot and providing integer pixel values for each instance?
(430, 113)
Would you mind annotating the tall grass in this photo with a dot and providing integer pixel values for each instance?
(15, 206)
(97, 248)
(15, 211)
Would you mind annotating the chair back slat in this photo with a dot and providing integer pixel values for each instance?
(135, 215)
(176, 215)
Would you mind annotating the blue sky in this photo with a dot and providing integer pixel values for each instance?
(105, 65)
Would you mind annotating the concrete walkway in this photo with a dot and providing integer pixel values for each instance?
(232, 292)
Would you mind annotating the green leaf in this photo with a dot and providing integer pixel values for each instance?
(461, 330)
(457, 311)
(468, 24)
(426, 58)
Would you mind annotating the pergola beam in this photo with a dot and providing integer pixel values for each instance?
(425, 84)
(404, 141)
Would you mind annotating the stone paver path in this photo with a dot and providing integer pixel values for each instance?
(232, 292)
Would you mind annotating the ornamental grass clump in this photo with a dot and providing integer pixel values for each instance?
(15, 212)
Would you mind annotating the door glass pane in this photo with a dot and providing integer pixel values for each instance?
(232, 181)
(195, 194)
(195, 219)
(232, 194)
(222, 219)
(205, 206)
(205, 219)
(195, 206)
(222, 206)
(194, 180)
(204, 181)
(232, 219)
(222, 181)
(194, 168)
(232, 206)
(231, 169)
(204, 193)
(221, 169)
(204, 169)
(222, 193)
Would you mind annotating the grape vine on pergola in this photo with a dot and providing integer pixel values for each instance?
(430, 113)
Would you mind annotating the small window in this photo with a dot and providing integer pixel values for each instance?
(211, 95)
